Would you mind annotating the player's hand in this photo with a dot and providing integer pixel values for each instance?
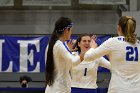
(93, 43)
(71, 43)
(94, 37)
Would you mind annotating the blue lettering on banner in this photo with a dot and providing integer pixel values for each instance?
(23, 54)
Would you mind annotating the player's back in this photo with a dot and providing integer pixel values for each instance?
(125, 62)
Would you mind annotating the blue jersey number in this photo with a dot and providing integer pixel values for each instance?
(85, 72)
(131, 53)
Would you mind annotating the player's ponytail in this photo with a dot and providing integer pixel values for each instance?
(128, 26)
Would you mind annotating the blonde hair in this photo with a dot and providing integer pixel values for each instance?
(128, 26)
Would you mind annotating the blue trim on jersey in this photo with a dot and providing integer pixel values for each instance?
(121, 38)
(66, 47)
(83, 90)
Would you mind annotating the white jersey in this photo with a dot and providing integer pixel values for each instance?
(125, 64)
(63, 61)
(84, 75)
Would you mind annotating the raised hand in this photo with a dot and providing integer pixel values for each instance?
(70, 44)
(93, 43)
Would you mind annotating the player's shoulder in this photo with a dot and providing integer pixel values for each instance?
(58, 43)
(110, 40)
(118, 38)
(114, 40)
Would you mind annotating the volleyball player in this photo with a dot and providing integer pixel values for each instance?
(123, 52)
(84, 75)
(59, 58)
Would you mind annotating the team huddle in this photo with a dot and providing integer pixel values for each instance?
(70, 67)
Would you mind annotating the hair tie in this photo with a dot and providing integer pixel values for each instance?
(68, 26)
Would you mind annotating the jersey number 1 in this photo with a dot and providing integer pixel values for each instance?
(131, 53)
(85, 72)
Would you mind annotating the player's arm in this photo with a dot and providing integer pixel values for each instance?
(98, 52)
(104, 63)
(75, 59)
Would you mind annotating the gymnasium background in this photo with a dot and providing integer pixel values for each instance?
(29, 23)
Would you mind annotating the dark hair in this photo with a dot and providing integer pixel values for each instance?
(128, 26)
(27, 78)
(61, 24)
(79, 40)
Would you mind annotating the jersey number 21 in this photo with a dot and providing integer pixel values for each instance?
(131, 53)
